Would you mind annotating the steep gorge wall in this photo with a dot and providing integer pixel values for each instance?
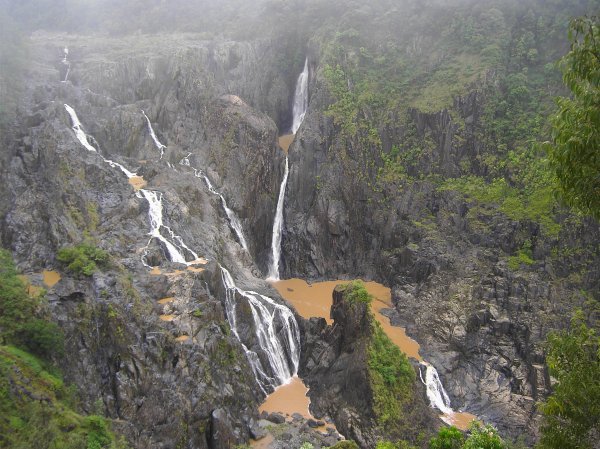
(480, 321)
(169, 373)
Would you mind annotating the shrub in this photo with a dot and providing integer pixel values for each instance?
(447, 438)
(41, 337)
(391, 377)
(348, 444)
(23, 320)
(483, 437)
(83, 258)
(356, 292)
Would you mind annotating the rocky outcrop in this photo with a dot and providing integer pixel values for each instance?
(335, 364)
(182, 381)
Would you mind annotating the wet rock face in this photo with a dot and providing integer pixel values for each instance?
(481, 323)
(334, 364)
(162, 388)
(153, 352)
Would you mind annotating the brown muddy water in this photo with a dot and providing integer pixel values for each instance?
(316, 299)
(285, 141)
(288, 399)
(50, 278)
(137, 182)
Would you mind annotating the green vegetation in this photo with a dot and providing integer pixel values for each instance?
(346, 444)
(480, 437)
(483, 437)
(36, 411)
(391, 376)
(572, 412)
(447, 438)
(83, 259)
(523, 256)
(502, 52)
(532, 204)
(24, 318)
(396, 445)
(355, 292)
(574, 151)
(35, 405)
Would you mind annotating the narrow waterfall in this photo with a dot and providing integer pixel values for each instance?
(79, 133)
(234, 221)
(279, 351)
(67, 63)
(299, 111)
(300, 98)
(159, 145)
(176, 248)
(278, 228)
(438, 398)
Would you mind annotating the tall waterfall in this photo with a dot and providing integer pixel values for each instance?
(234, 221)
(278, 228)
(159, 145)
(299, 111)
(176, 248)
(276, 335)
(438, 398)
(300, 98)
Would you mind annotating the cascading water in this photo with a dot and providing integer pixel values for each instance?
(159, 145)
(438, 398)
(79, 133)
(300, 99)
(234, 222)
(176, 247)
(278, 228)
(299, 111)
(281, 350)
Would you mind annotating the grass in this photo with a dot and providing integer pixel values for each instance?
(36, 411)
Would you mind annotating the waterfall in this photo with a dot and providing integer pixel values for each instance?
(299, 110)
(300, 98)
(66, 62)
(280, 349)
(438, 398)
(278, 228)
(234, 221)
(159, 145)
(176, 247)
(79, 133)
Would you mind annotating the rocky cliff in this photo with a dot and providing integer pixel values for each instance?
(336, 362)
(480, 318)
(150, 349)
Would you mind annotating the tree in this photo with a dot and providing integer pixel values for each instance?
(575, 148)
(447, 438)
(483, 437)
(572, 412)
